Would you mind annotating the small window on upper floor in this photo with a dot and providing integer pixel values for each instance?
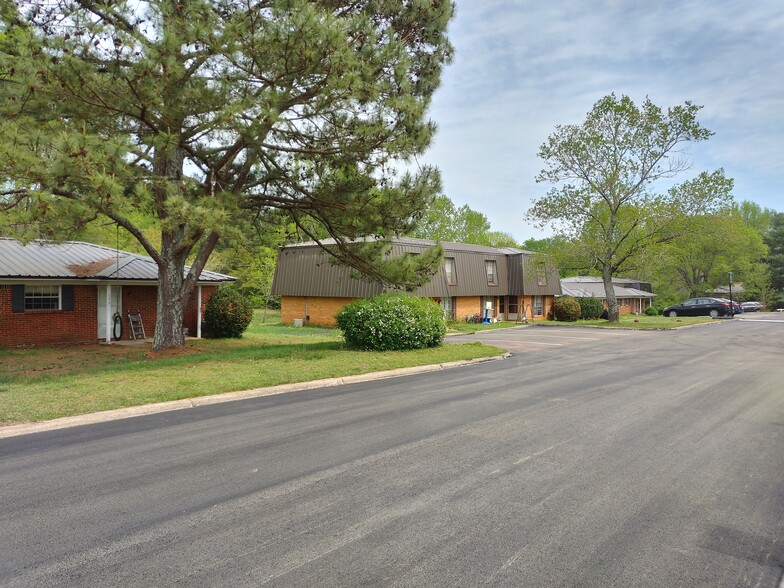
(449, 271)
(492, 273)
(541, 274)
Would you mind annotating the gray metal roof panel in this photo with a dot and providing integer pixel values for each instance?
(593, 289)
(424, 243)
(304, 269)
(79, 260)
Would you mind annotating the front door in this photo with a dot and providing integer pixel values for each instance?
(115, 305)
(512, 308)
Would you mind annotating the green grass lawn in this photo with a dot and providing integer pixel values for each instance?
(641, 321)
(40, 384)
(628, 321)
(463, 327)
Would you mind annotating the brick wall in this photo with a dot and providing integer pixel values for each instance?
(142, 300)
(46, 327)
(322, 310)
(633, 306)
(467, 306)
(528, 305)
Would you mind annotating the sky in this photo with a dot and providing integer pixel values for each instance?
(521, 67)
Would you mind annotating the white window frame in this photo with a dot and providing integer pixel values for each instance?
(447, 304)
(492, 276)
(450, 271)
(40, 293)
(537, 307)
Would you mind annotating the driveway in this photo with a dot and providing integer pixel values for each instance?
(532, 337)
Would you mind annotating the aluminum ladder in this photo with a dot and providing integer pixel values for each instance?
(137, 326)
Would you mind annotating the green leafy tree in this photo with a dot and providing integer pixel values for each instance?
(563, 252)
(711, 246)
(758, 218)
(775, 260)
(445, 222)
(201, 114)
(604, 171)
(501, 239)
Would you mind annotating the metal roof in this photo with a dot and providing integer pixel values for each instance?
(411, 241)
(78, 260)
(304, 269)
(587, 287)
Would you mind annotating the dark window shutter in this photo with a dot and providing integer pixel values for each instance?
(67, 301)
(17, 298)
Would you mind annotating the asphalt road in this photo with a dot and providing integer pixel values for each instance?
(603, 458)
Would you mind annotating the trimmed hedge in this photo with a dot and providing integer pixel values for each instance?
(392, 322)
(651, 311)
(566, 308)
(590, 308)
(228, 314)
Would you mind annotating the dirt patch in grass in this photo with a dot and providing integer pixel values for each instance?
(57, 361)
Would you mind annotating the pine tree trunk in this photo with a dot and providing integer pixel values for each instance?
(170, 305)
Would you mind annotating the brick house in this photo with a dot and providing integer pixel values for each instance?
(633, 296)
(74, 292)
(510, 283)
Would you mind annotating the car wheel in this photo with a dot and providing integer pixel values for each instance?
(672, 314)
(714, 313)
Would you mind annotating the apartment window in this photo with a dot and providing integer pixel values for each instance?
(492, 273)
(513, 305)
(538, 308)
(541, 274)
(502, 305)
(447, 305)
(42, 297)
(449, 271)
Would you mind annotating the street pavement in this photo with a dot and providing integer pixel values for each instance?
(589, 458)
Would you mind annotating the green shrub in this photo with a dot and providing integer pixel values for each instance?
(391, 322)
(566, 308)
(228, 314)
(652, 311)
(590, 308)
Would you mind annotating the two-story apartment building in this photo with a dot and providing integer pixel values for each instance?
(511, 284)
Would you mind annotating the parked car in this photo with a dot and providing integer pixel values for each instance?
(752, 306)
(712, 307)
(736, 306)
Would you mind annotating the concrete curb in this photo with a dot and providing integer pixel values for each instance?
(145, 409)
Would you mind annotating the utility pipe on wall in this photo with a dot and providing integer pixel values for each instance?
(198, 312)
(108, 313)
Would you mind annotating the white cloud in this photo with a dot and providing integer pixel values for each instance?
(522, 68)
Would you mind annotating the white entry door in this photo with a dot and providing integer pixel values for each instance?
(115, 305)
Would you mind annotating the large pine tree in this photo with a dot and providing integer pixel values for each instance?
(204, 113)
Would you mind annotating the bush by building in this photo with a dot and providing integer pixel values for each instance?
(590, 308)
(228, 314)
(566, 308)
(391, 322)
